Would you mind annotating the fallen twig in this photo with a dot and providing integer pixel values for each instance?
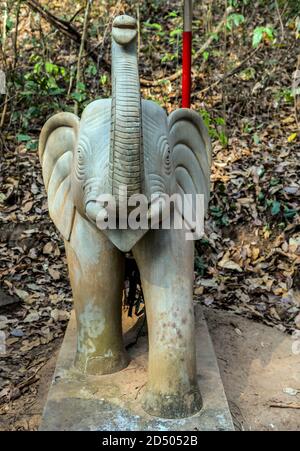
(285, 406)
(88, 7)
(232, 72)
(204, 47)
(3, 115)
(280, 19)
(63, 26)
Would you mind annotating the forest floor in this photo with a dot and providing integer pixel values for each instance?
(258, 369)
(248, 262)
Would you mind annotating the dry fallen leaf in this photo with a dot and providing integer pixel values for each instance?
(48, 249)
(60, 315)
(27, 207)
(28, 345)
(54, 273)
(32, 317)
(3, 322)
(255, 253)
(21, 294)
(230, 264)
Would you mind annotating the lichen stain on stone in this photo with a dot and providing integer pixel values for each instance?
(92, 325)
(222, 420)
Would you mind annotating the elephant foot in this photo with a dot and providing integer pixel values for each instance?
(101, 365)
(174, 405)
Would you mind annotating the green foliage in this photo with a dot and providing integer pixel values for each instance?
(168, 57)
(276, 208)
(261, 34)
(23, 138)
(290, 213)
(175, 35)
(172, 15)
(41, 90)
(200, 266)
(9, 24)
(234, 20)
(206, 55)
(44, 79)
(157, 27)
(30, 143)
(215, 127)
(91, 70)
(80, 94)
(238, 3)
(292, 7)
(219, 215)
(104, 80)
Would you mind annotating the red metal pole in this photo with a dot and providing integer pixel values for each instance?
(187, 54)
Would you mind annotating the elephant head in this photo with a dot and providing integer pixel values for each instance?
(119, 142)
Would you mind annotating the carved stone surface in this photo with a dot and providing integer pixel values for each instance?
(126, 141)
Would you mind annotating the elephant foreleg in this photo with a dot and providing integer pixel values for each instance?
(165, 261)
(96, 270)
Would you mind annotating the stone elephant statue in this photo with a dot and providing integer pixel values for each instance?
(126, 141)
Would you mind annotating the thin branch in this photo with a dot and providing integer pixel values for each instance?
(99, 47)
(297, 84)
(88, 7)
(4, 110)
(4, 24)
(212, 36)
(280, 20)
(232, 72)
(285, 406)
(138, 24)
(4, 35)
(224, 91)
(15, 40)
(63, 26)
(76, 14)
(150, 83)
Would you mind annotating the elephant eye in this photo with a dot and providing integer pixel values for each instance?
(82, 152)
(165, 155)
(167, 160)
(168, 156)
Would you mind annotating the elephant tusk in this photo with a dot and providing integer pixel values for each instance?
(155, 212)
(96, 212)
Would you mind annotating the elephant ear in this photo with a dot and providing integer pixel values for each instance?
(191, 153)
(56, 147)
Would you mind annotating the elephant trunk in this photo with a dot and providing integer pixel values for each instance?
(126, 161)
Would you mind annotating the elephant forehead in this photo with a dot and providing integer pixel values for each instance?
(96, 109)
(94, 140)
(156, 148)
(155, 126)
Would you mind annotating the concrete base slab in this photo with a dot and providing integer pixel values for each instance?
(112, 403)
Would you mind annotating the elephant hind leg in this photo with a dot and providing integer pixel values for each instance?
(165, 260)
(96, 270)
(178, 405)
